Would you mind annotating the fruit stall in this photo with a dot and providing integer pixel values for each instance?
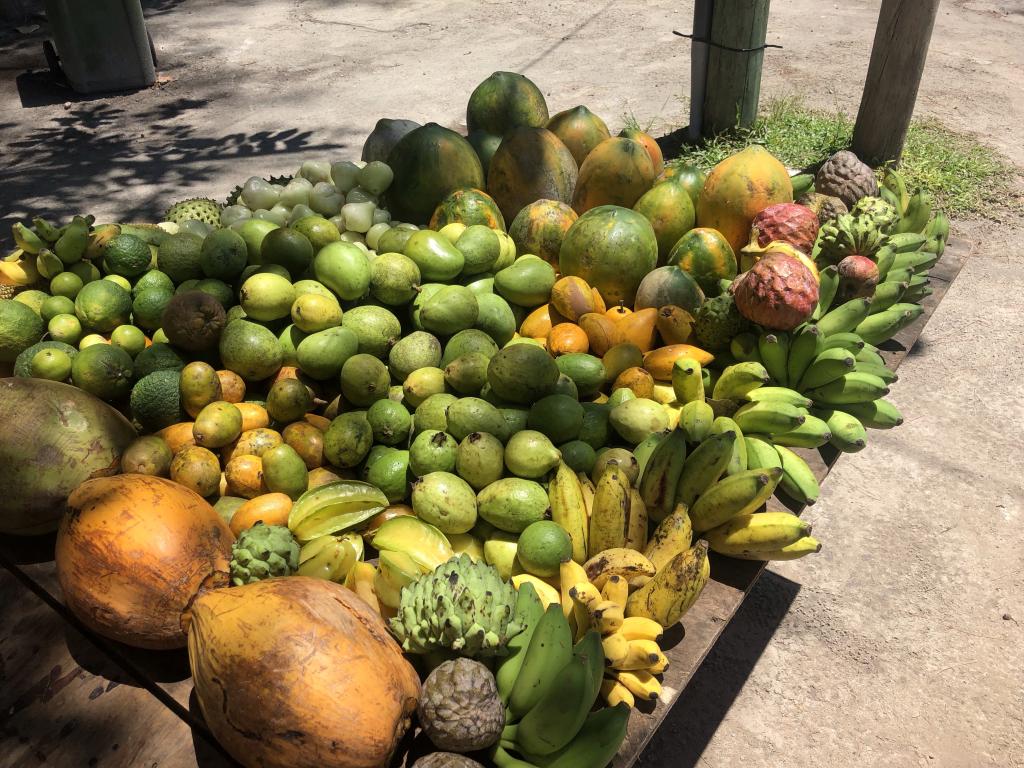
(463, 453)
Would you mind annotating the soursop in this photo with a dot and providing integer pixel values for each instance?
(195, 209)
(718, 321)
(462, 606)
(262, 552)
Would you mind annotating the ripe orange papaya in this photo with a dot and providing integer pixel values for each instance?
(580, 130)
(650, 144)
(467, 206)
(530, 164)
(566, 338)
(740, 187)
(539, 228)
(616, 172)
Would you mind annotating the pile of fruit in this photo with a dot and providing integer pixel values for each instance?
(472, 410)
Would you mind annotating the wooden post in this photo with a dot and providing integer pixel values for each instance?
(894, 74)
(702, 10)
(734, 78)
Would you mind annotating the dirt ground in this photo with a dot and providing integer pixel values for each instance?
(901, 643)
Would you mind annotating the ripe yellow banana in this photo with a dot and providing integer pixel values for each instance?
(610, 515)
(588, 489)
(640, 654)
(759, 532)
(808, 545)
(636, 524)
(641, 683)
(617, 590)
(674, 589)
(615, 692)
(569, 509)
(738, 494)
(641, 628)
(616, 648)
(687, 380)
(659, 666)
(628, 563)
(20, 273)
(586, 594)
(607, 616)
(570, 573)
(673, 535)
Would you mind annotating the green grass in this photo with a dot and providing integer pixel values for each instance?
(965, 177)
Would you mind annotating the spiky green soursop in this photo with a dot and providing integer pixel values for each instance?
(195, 209)
(262, 552)
(845, 235)
(462, 606)
(881, 213)
(718, 321)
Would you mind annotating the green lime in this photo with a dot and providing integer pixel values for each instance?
(66, 284)
(121, 281)
(289, 248)
(223, 255)
(154, 278)
(103, 370)
(149, 306)
(66, 328)
(220, 290)
(252, 232)
(85, 270)
(188, 285)
(318, 229)
(103, 305)
(127, 255)
(51, 364)
(91, 340)
(542, 548)
(129, 338)
(56, 305)
(20, 328)
(178, 257)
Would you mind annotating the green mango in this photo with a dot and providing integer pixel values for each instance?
(467, 374)
(344, 268)
(284, 471)
(586, 370)
(452, 309)
(480, 284)
(417, 350)
(377, 329)
(466, 342)
(495, 318)
(527, 282)
(438, 259)
(394, 240)
(393, 279)
(321, 355)
(364, 380)
(481, 247)
(427, 290)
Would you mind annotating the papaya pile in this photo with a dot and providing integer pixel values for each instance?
(537, 357)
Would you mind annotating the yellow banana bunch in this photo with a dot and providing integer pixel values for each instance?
(674, 588)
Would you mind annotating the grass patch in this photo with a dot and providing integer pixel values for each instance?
(965, 177)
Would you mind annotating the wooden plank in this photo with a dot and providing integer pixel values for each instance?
(686, 645)
(731, 580)
(894, 74)
(63, 702)
(733, 83)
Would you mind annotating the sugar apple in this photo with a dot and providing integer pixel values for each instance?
(844, 176)
(882, 214)
(195, 209)
(446, 760)
(847, 234)
(459, 707)
(462, 606)
(718, 321)
(262, 552)
(825, 206)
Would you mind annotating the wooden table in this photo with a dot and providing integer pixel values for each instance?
(72, 698)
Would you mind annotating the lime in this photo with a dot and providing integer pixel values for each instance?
(66, 284)
(103, 305)
(121, 281)
(223, 255)
(85, 270)
(20, 328)
(33, 300)
(220, 290)
(178, 257)
(318, 229)
(91, 340)
(157, 357)
(103, 370)
(149, 306)
(185, 287)
(543, 546)
(66, 328)
(289, 248)
(56, 305)
(129, 338)
(127, 255)
(252, 232)
(154, 278)
(51, 364)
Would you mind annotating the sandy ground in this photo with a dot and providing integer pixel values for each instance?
(900, 644)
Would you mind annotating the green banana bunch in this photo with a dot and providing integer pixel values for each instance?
(882, 326)
(780, 394)
(917, 214)
(739, 379)
(828, 286)
(26, 239)
(660, 479)
(803, 348)
(596, 743)
(893, 189)
(528, 612)
(813, 433)
(645, 448)
(738, 458)
(854, 387)
(769, 417)
(906, 242)
(849, 340)
(550, 649)
(848, 434)
(798, 480)
(826, 367)
(758, 535)
(46, 230)
(886, 294)
(687, 380)
(72, 244)
(743, 347)
(704, 466)
(876, 414)
(773, 349)
(695, 419)
(556, 718)
(845, 317)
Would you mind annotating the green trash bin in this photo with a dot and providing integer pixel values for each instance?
(102, 44)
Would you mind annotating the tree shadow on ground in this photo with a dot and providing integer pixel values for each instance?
(702, 706)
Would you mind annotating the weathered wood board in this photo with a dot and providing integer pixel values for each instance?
(165, 676)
